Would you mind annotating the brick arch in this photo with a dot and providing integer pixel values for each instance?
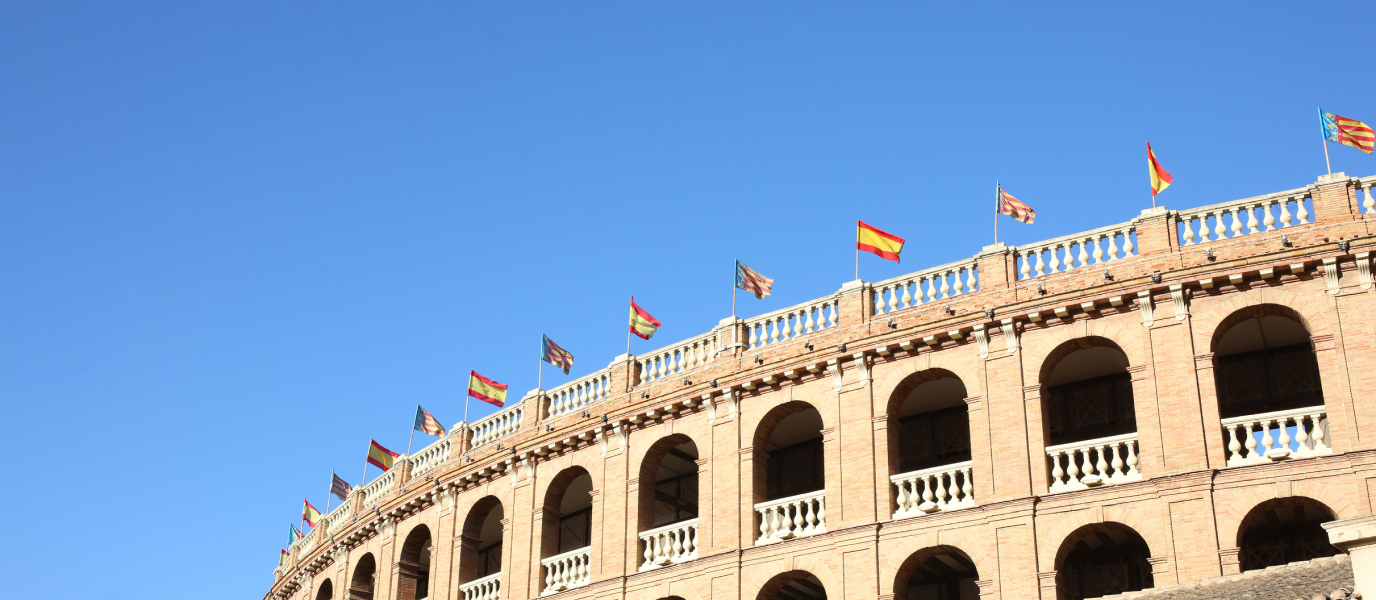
(767, 422)
(1310, 311)
(363, 581)
(900, 563)
(678, 589)
(1068, 542)
(900, 392)
(1040, 351)
(470, 534)
(765, 587)
(1255, 513)
(649, 464)
(325, 591)
(1232, 520)
(888, 377)
(588, 459)
(1151, 530)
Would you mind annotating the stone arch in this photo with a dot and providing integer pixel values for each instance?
(1310, 311)
(325, 591)
(1284, 530)
(898, 394)
(364, 580)
(1131, 552)
(671, 445)
(887, 377)
(1038, 348)
(761, 441)
(909, 562)
(413, 564)
(1230, 521)
(472, 545)
(1252, 311)
(1153, 532)
(768, 589)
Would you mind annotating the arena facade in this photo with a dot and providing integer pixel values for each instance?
(1184, 396)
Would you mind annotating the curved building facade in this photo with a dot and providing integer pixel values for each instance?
(1182, 396)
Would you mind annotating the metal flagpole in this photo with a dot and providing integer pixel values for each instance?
(1323, 135)
(365, 468)
(628, 336)
(413, 433)
(540, 372)
(998, 203)
(330, 493)
(733, 290)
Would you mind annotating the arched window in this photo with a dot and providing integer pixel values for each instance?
(929, 444)
(413, 567)
(480, 555)
(1284, 530)
(1102, 559)
(1270, 398)
(790, 473)
(942, 573)
(793, 585)
(566, 531)
(668, 503)
(1089, 418)
(361, 584)
(326, 591)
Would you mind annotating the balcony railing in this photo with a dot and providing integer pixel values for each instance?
(788, 323)
(1091, 463)
(1250, 440)
(1058, 255)
(804, 514)
(497, 425)
(947, 487)
(677, 358)
(577, 395)
(567, 571)
(671, 544)
(942, 282)
(430, 457)
(1234, 215)
(487, 588)
(379, 487)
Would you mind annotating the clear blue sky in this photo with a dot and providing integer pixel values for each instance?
(238, 241)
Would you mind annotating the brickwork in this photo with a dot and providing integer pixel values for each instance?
(1164, 309)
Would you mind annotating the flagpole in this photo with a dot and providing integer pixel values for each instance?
(1323, 135)
(857, 263)
(329, 494)
(998, 191)
(540, 369)
(628, 333)
(365, 468)
(413, 434)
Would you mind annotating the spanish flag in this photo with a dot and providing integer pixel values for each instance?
(881, 243)
(486, 389)
(309, 514)
(1160, 179)
(283, 559)
(642, 324)
(380, 457)
(1347, 132)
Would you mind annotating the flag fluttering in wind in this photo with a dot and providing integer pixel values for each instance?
(380, 457)
(551, 353)
(282, 560)
(427, 423)
(293, 535)
(642, 324)
(752, 281)
(340, 488)
(1347, 132)
(1160, 179)
(1008, 205)
(308, 513)
(486, 389)
(878, 242)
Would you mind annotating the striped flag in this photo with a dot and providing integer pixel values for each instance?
(309, 514)
(427, 423)
(486, 389)
(380, 457)
(293, 535)
(1160, 179)
(282, 560)
(643, 325)
(881, 243)
(551, 353)
(1347, 132)
(339, 487)
(752, 281)
(1008, 205)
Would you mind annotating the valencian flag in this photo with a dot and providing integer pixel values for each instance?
(340, 488)
(1347, 132)
(486, 389)
(427, 423)
(309, 514)
(1008, 205)
(642, 324)
(380, 457)
(880, 243)
(293, 535)
(1160, 179)
(751, 281)
(551, 353)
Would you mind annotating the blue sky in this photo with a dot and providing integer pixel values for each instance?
(239, 240)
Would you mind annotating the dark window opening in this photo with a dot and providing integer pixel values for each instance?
(794, 470)
(931, 439)
(490, 560)
(676, 499)
(1092, 408)
(1263, 381)
(1286, 534)
(575, 530)
(1091, 572)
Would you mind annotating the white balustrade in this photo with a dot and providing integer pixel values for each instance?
(486, 588)
(804, 514)
(577, 395)
(942, 282)
(567, 571)
(1103, 245)
(1239, 217)
(337, 516)
(430, 457)
(1297, 433)
(788, 323)
(306, 541)
(670, 544)
(379, 487)
(947, 487)
(497, 425)
(678, 358)
(1090, 463)
(1368, 205)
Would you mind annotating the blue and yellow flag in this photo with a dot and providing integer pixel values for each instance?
(293, 535)
(551, 353)
(1348, 132)
(427, 423)
(752, 281)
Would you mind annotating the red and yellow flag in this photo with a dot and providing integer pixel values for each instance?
(642, 324)
(283, 559)
(1348, 132)
(1008, 205)
(881, 243)
(380, 457)
(486, 389)
(427, 423)
(309, 514)
(1160, 179)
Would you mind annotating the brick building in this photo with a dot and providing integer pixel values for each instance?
(1180, 397)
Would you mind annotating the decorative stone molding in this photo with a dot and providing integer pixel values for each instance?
(837, 377)
(983, 339)
(862, 360)
(1178, 295)
(1144, 304)
(1364, 268)
(1330, 274)
(1010, 335)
